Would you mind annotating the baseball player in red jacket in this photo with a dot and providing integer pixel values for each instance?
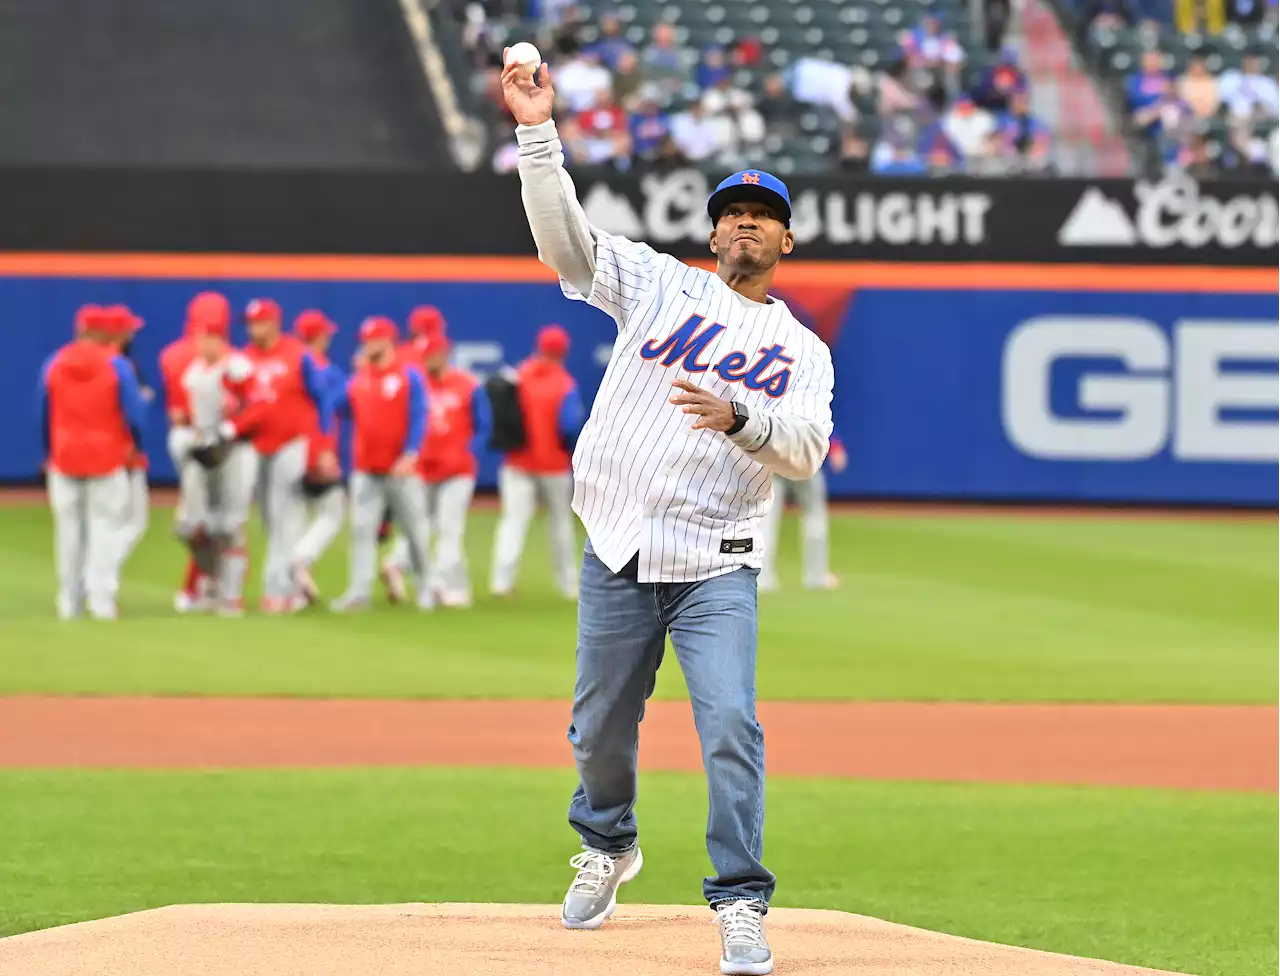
(205, 309)
(387, 402)
(458, 422)
(91, 412)
(323, 483)
(286, 402)
(553, 416)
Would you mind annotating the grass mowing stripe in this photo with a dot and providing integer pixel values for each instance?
(1181, 881)
(1001, 609)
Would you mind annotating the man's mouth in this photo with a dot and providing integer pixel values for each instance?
(738, 238)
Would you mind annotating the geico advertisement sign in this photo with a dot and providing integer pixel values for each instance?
(1186, 393)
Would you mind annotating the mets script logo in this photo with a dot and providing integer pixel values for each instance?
(687, 343)
(750, 177)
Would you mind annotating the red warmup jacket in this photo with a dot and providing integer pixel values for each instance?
(388, 415)
(86, 424)
(174, 360)
(541, 386)
(446, 451)
(282, 407)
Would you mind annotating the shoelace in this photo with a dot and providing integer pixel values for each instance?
(594, 871)
(742, 924)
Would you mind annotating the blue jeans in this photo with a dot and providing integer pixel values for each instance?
(622, 630)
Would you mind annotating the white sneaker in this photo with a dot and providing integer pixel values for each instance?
(744, 948)
(593, 896)
(104, 611)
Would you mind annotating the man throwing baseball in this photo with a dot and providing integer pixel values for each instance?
(713, 386)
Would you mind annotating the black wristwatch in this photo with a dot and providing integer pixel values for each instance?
(740, 417)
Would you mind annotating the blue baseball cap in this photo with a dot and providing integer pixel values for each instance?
(751, 184)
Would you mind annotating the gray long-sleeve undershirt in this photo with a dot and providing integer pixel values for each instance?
(785, 443)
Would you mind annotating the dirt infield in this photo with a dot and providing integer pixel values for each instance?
(1180, 746)
(500, 940)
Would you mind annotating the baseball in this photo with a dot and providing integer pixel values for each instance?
(525, 55)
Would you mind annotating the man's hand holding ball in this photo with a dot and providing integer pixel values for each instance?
(529, 100)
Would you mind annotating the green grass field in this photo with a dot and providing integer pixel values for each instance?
(933, 608)
(1181, 881)
(974, 608)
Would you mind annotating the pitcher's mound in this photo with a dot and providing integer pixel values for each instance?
(499, 940)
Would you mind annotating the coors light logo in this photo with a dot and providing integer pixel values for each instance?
(674, 209)
(1172, 212)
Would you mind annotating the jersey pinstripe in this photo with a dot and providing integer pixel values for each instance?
(643, 480)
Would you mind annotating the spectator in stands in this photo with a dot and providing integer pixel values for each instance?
(937, 51)
(1000, 82)
(822, 82)
(713, 68)
(1021, 138)
(580, 80)
(854, 151)
(697, 136)
(662, 63)
(896, 92)
(747, 52)
(627, 79)
(605, 135)
(1245, 154)
(612, 46)
(969, 129)
(736, 108)
(1248, 93)
(940, 153)
(897, 151)
(1199, 89)
(995, 21)
(1147, 90)
(778, 109)
(650, 127)
(571, 21)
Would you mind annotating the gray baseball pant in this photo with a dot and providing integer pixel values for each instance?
(327, 514)
(283, 506)
(520, 493)
(134, 526)
(811, 496)
(371, 495)
(447, 504)
(87, 514)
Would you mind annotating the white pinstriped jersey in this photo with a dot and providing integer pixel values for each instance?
(643, 480)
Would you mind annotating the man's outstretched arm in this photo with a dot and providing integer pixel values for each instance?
(560, 228)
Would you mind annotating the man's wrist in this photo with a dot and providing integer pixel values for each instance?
(754, 434)
(541, 132)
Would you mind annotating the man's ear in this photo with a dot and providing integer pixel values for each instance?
(788, 242)
(711, 240)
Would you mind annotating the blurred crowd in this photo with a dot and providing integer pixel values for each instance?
(1200, 84)
(654, 104)
(1197, 79)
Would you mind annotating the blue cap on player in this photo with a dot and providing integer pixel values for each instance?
(751, 184)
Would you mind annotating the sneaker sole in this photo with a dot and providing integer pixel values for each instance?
(746, 968)
(597, 920)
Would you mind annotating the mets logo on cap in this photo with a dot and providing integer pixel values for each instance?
(750, 177)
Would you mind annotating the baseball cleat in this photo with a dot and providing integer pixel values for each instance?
(302, 576)
(349, 603)
(230, 608)
(273, 605)
(744, 948)
(104, 611)
(393, 579)
(455, 599)
(593, 896)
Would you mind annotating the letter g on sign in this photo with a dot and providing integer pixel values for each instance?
(1141, 428)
